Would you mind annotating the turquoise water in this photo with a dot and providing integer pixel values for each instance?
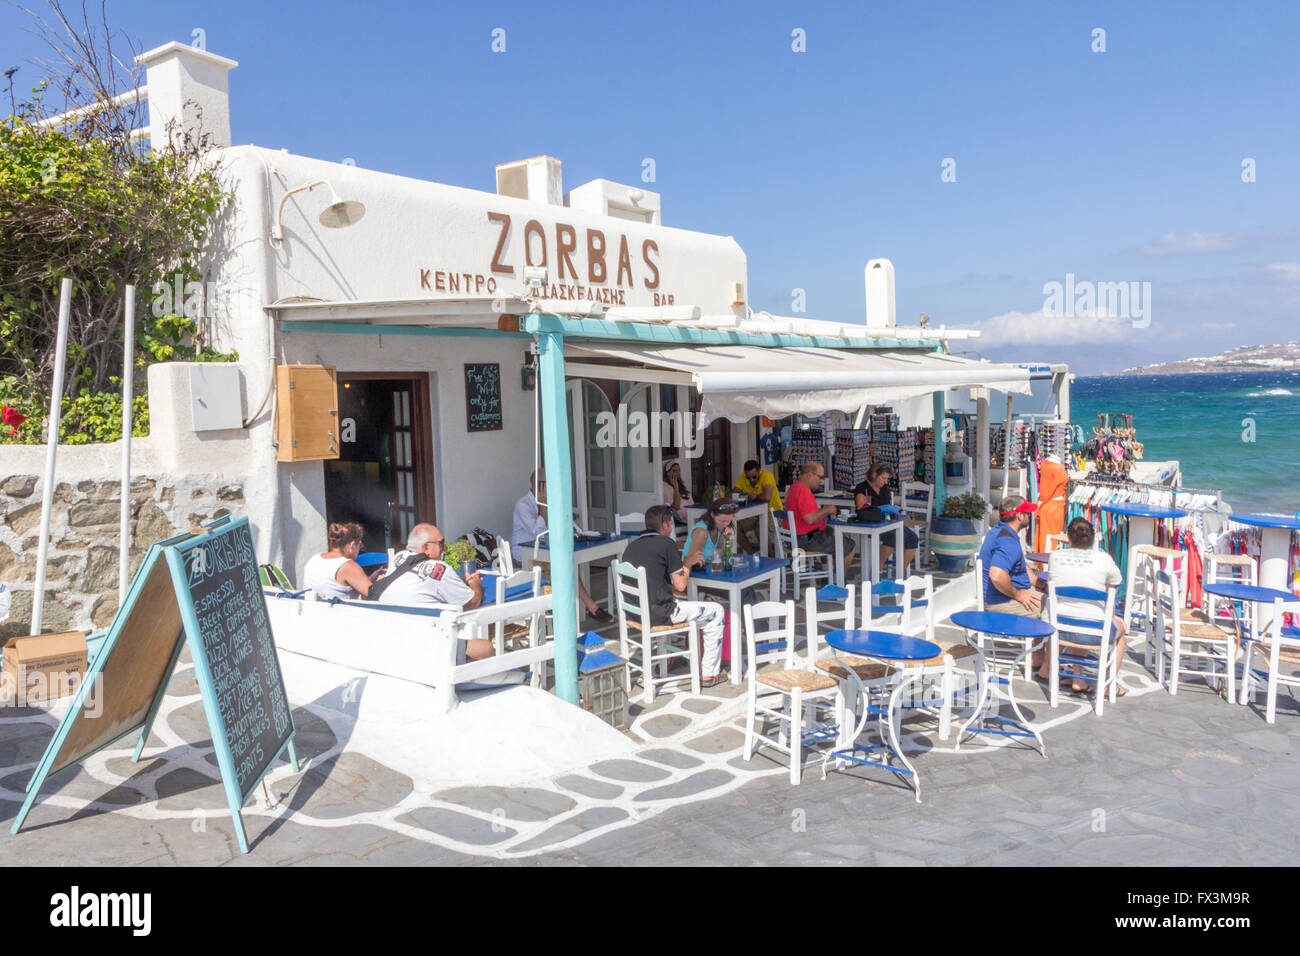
(1203, 421)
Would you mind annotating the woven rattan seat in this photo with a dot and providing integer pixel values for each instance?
(1156, 551)
(1203, 632)
(954, 649)
(1234, 560)
(788, 680)
(657, 627)
(865, 669)
(515, 630)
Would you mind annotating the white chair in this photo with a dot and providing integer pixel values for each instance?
(1181, 639)
(1282, 649)
(912, 606)
(505, 563)
(1023, 643)
(916, 501)
(629, 522)
(529, 632)
(1088, 629)
(787, 693)
(812, 565)
(1239, 568)
(839, 618)
(651, 641)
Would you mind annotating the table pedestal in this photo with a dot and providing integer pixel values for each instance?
(1274, 557)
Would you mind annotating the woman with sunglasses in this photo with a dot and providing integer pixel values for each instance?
(675, 494)
(707, 534)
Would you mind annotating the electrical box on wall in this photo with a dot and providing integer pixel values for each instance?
(215, 403)
(306, 412)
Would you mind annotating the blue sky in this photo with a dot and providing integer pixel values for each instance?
(1115, 166)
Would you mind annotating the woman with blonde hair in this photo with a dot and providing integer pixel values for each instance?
(335, 573)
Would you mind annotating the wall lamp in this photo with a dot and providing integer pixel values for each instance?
(336, 215)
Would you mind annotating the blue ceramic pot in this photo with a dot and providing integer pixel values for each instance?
(955, 542)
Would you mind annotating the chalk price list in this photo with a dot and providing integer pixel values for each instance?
(236, 637)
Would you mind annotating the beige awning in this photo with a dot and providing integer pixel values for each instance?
(740, 382)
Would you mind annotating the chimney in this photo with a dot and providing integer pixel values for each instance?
(537, 179)
(186, 83)
(879, 280)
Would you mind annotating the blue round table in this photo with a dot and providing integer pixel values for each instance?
(1274, 545)
(881, 646)
(1236, 591)
(999, 625)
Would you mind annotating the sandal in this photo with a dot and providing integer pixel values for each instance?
(713, 681)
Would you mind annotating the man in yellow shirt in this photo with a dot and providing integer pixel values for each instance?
(760, 486)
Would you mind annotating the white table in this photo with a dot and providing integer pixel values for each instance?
(585, 553)
(732, 583)
(757, 509)
(871, 533)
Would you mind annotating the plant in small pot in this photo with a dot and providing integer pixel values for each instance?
(956, 534)
(462, 555)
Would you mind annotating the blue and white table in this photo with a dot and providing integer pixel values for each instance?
(1274, 545)
(886, 647)
(1262, 597)
(586, 552)
(869, 546)
(995, 625)
(732, 583)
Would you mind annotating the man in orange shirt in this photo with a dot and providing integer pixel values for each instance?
(809, 519)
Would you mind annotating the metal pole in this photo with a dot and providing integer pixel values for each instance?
(982, 444)
(940, 449)
(1006, 459)
(51, 452)
(559, 514)
(128, 395)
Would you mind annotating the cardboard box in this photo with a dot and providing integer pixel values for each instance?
(43, 667)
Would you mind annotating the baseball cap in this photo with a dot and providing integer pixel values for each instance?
(1025, 507)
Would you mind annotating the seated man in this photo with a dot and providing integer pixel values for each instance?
(809, 519)
(1082, 566)
(660, 555)
(1008, 582)
(420, 577)
(760, 486)
(529, 523)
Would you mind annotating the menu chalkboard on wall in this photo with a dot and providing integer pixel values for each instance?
(483, 397)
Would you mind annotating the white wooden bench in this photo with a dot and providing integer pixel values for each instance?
(411, 643)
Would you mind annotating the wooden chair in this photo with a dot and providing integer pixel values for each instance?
(1181, 638)
(629, 522)
(636, 634)
(839, 618)
(812, 565)
(505, 563)
(916, 501)
(784, 692)
(1282, 649)
(1084, 632)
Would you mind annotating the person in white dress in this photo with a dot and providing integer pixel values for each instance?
(335, 573)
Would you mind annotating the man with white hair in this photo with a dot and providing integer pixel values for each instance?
(419, 577)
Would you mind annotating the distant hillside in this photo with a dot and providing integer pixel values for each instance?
(1244, 358)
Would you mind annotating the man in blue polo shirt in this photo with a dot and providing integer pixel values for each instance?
(1008, 582)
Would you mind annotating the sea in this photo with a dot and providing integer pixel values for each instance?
(1238, 432)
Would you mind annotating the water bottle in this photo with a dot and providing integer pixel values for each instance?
(727, 562)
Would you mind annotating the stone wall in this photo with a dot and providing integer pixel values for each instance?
(82, 569)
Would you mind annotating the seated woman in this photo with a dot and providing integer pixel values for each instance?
(335, 573)
(675, 493)
(707, 534)
(1083, 566)
(874, 492)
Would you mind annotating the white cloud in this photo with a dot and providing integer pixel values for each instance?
(1038, 328)
(1188, 243)
(1287, 270)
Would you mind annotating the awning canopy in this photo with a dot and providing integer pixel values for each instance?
(740, 382)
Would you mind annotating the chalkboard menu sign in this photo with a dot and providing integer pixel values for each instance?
(236, 641)
(199, 590)
(483, 397)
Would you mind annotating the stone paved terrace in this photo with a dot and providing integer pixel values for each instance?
(1157, 780)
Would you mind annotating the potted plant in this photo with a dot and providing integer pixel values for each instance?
(956, 534)
(461, 554)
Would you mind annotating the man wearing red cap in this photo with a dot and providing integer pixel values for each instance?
(1008, 582)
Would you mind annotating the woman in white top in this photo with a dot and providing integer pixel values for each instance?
(1082, 566)
(676, 495)
(336, 572)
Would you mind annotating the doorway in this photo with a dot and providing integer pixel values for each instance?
(383, 477)
(591, 465)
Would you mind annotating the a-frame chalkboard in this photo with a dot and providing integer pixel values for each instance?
(205, 589)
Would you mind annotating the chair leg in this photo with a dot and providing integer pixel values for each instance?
(1246, 676)
(796, 735)
(1054, 682)
(946, 682)
(693, 643)
(750, 720)
(1173, 667)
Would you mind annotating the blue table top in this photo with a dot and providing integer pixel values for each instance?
(1269, 521)
(883, 645)
(889, 523)
(579, 543)
(1136, 510)
(370, 559)
(1245, 592)
(1001, 623)
(765, 566)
